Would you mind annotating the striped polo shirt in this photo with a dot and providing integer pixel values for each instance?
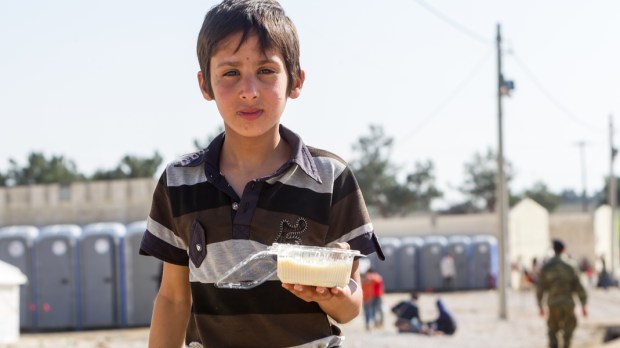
(197, 220)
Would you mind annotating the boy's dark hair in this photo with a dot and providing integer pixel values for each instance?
(266, 18)
(558, 246)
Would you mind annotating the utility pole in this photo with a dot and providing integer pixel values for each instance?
(612, 200)
(584, 192)
(502, 199)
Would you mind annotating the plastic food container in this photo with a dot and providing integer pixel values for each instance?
(293, 264)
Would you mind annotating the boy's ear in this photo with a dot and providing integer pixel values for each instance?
(203, 89)
(297, 84)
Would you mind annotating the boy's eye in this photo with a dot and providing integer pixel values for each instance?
(231, 73)
(266, 71)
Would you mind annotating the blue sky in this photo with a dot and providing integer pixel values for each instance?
(94, 81)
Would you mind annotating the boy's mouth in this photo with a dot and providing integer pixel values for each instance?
(250, 114)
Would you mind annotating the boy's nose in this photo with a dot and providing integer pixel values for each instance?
(249, 89)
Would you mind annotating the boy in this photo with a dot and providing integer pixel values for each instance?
(255, 184)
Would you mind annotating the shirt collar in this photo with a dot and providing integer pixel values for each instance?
(300, 155)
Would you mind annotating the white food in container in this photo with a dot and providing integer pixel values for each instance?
(315, 266)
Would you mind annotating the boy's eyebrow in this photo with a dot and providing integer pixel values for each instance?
(237, 63)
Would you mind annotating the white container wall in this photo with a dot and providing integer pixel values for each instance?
(528, 233)
(10, 280)
(602, 236)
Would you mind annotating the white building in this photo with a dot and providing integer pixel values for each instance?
(10, 280)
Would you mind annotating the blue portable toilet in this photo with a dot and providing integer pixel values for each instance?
(484, 262)
(408, 255)
(460, 249)
(100, 275)
(16, 244)
(55, 267)
(142, 278)
(388, 269)
(430, 259)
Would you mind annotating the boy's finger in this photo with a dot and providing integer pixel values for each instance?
(339, 245)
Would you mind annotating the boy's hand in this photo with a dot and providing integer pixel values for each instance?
(316, 293)
(339, 245)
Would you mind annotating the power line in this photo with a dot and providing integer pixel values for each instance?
(550, 97)
(480, 38)
(460, 86)
(456, 25)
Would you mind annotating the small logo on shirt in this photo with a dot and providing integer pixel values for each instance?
(291, 233)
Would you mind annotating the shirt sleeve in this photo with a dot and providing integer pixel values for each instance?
(579, 289)
(349, 219)
(160, 239)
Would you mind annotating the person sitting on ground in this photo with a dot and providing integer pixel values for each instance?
(408, 316)
(445, 322)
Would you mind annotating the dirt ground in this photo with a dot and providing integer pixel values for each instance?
(477, 314)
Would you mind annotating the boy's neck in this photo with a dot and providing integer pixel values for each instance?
(254, 157)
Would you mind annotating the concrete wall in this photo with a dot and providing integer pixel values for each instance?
(577, 232)
(471, 224)
(78, 203)
(530, 230)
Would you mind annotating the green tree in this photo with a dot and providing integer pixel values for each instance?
(41, 170)
(374, 172)
(569, 196)
(377, 177)
(541, 195)
(604, 193)
(131, 167)
(200, 145)
(3, 179)
(422, 184)
(465, 207)
(481, 179)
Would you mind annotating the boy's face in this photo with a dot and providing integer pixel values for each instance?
(249, 86)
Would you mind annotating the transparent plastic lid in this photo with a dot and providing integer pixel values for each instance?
(251, 272)
(299, 264)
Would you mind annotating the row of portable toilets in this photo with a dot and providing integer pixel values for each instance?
(82, 277)
(413, 263)
(93, 277)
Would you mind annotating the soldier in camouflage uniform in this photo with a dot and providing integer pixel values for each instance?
(559, 280)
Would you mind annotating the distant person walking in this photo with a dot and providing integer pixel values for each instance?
(368, 295)
(559, 281)
(377, 301)
(535, 270)
(373, 290)
(448, 270)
